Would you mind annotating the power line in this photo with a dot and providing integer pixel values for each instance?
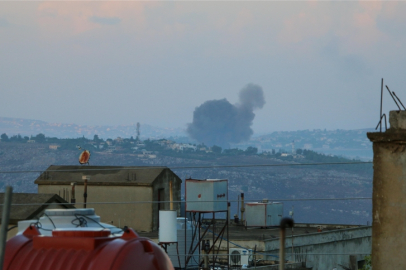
(140, 202)
(191, 167)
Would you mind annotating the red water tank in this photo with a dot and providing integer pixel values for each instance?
(83, 249)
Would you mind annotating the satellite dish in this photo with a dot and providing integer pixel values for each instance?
(84, 157)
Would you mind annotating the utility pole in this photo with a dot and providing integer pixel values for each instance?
(291, 216)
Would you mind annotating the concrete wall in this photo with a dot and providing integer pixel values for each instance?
(135, 215)
(163, 183)
(276, 267)
(389, 194)
(344, 242)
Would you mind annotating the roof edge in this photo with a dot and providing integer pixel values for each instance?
(79, 183)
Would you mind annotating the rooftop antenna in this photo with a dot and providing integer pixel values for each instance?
(138, 131)
(393, 98)
(382, 115)
(393, 92)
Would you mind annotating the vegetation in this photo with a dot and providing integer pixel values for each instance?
(368, 263)
(169, 148)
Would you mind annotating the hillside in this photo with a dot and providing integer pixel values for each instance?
(287, 182)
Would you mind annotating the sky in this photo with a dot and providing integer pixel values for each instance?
(319, 64)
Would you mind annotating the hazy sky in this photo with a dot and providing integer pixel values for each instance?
(319, 63)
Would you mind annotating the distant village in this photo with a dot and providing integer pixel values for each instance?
(152, 148)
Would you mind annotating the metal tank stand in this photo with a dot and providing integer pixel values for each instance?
(164, 246)
(215, 239)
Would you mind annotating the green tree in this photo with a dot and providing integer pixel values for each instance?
(216, 149)
(40, 138)
(368, 264)
(4, 137)
(251, 150)
(96, 138)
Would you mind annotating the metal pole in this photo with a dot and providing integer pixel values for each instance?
(238, 205)
(242, 209)
(214, 231)
(228, 244)
(284, 222)
(170, 196)
(85, 194)
(390, 93)
(380, 116)
(4, 223)
(293, 254)
(73, 198)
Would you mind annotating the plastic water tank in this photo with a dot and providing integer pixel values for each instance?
(67, 218)
(83, 249)
(167, 226)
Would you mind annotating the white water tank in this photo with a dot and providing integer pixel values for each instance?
(167, 226)
(209, 195)
(265, 214)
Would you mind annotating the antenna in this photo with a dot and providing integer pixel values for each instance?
(138, 131)
(393, 97)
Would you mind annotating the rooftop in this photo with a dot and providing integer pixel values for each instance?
(101, 175)
(31, 205)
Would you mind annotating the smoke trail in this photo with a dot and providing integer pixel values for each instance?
(218, 122)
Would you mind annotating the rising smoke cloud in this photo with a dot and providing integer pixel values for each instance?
(218, 122)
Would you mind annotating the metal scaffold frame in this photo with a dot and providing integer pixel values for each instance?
(211, 247)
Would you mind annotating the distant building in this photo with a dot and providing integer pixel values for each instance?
(307, 146)
(54, 146)
(26, 206)
(136, 187)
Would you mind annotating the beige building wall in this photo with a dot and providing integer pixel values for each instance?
(131, 213)
(389, 195)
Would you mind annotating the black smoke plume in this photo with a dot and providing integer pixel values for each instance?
(218, 122)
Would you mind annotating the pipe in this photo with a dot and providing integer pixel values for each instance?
(85, 194)
(228, 212)
(393, 97)
(4, 223)
(380, 116)
(284, 222)
(73, 199)
(238, 205)
(170, 196)
(242, 209)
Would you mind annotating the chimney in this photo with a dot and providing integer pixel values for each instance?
(389, 194)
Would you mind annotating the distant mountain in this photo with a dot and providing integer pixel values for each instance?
(27, 127)
(340, 142)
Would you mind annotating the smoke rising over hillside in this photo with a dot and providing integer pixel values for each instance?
(218, 122)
